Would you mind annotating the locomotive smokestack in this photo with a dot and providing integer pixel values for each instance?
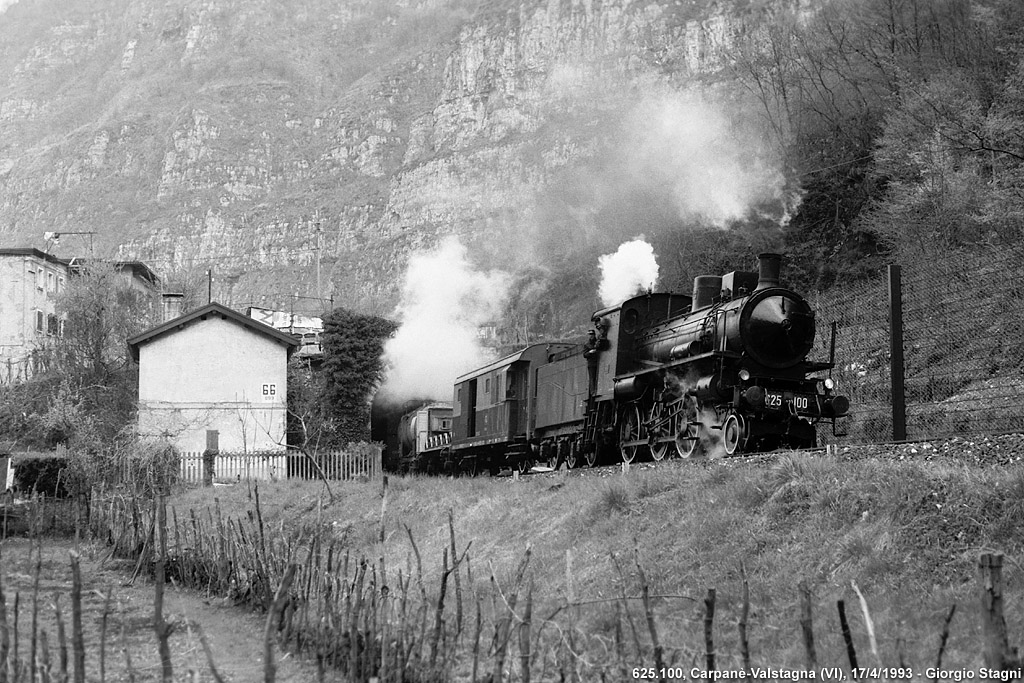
(769, 267)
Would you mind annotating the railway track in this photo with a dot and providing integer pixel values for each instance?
(976, 449)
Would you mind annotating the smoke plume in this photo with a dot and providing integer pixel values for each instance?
(712, 165)
(631, 269)
(444, 302)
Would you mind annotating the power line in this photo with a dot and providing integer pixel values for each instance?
(224, 257)
(842, 163)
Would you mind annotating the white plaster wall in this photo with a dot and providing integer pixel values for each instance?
(20, 296)
(211, 375)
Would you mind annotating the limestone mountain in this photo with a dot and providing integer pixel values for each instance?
(308, 148)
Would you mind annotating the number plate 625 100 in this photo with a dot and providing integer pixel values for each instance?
(802, 403)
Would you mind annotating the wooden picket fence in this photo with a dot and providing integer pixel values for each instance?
(359, 461)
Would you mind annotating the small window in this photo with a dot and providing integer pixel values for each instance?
(52, 325)
(446, 424)
(60, 285)
(40, 321)
(51, 282)
(40, 278)
(487, 385)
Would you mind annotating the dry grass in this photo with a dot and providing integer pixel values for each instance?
(907, 533)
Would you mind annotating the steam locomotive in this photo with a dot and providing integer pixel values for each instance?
(722, 372)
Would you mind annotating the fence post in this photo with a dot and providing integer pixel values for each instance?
(996, 649)
(896, 372)
(210, 455)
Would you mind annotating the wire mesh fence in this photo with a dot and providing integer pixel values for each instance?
(963, 332)
(963, 347)
(858, 314)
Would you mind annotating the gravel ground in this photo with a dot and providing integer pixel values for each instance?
(1001, 449)
(975, 450)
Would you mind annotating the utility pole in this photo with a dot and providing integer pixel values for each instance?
(896, 367)
(319, 252)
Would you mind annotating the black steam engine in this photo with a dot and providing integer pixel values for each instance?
(719, 373)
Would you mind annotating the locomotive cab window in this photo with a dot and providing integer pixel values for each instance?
(630, 320)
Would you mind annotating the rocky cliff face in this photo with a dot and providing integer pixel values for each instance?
(261, 141)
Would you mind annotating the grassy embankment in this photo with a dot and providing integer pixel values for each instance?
(908, 533)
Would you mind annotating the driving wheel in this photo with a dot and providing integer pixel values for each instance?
(658, 448)
(689, 429)
(732, 433)
(629, 433)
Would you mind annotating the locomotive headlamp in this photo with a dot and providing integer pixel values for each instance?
(744, 374)
(830, 383)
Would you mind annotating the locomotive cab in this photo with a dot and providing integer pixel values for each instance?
(623, 325)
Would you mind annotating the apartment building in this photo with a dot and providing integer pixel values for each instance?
(30, 281)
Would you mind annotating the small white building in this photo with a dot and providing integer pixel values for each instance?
(214, 375)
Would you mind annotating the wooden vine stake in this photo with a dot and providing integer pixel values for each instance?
(868, 623)
(742, 624)
(77, 641)
(5, 641)
(273, 620)
(709, 624)
(844, 625)
(652, 627)
(996, 650)
(807, 625)
(161, 627)
(944, 637)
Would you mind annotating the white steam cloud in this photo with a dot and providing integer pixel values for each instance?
(631, 269)
(715, 168)
(4, 4)
(444, 302)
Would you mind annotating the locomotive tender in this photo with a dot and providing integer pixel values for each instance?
(721, 372)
